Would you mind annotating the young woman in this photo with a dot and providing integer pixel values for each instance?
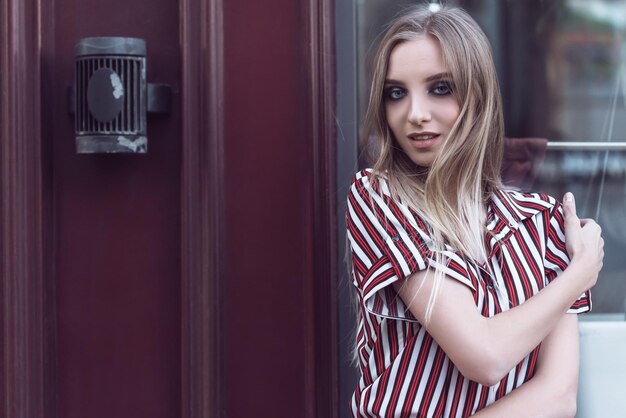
(466, 290)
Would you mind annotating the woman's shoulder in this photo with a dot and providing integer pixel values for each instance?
(370, 182)
(368, 175)
(526, 204)
(372, 205)
(530, 196)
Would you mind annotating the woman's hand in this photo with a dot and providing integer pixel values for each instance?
(585, 246)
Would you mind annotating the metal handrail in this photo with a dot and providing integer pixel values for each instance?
(586, 146)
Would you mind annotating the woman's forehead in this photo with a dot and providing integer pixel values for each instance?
(419, 57)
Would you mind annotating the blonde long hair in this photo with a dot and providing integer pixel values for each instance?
(449, 195)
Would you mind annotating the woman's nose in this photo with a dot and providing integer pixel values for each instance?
(419, 112)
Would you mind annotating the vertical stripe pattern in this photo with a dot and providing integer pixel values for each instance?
(404, 372)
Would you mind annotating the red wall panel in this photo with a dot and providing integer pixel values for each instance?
(116, 231)
(268, 175)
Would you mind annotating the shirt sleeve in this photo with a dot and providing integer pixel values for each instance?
(557, 259)
(389, 243)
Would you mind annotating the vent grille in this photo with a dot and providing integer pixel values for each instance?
(129, 121)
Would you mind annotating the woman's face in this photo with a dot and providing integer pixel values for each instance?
(419, 104)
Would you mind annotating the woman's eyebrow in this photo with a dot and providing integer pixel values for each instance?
(392, 81)
(434, 77)
(438, 76)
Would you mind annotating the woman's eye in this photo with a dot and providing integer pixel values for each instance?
(394, 93)
(442, 88)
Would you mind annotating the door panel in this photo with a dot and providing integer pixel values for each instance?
(116, 230)
(279, 339)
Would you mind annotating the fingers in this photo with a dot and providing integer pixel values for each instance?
(569, 210)
(592, 224)
(569, 205)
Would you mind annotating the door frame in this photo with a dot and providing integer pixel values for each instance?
(202, 200)
(27, 302)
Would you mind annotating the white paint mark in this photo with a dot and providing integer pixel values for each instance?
(138, 144)
(118, 88)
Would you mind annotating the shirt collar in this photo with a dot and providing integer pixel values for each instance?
(512, 207)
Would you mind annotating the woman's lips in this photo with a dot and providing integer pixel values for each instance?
(424, 139)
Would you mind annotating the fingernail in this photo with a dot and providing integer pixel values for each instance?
(568, 197)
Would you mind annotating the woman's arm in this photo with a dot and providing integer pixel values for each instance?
(551, 393)
(486, 349)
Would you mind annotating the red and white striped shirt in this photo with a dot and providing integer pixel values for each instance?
(404, 372)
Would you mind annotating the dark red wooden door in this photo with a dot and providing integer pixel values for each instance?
(197, 280)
